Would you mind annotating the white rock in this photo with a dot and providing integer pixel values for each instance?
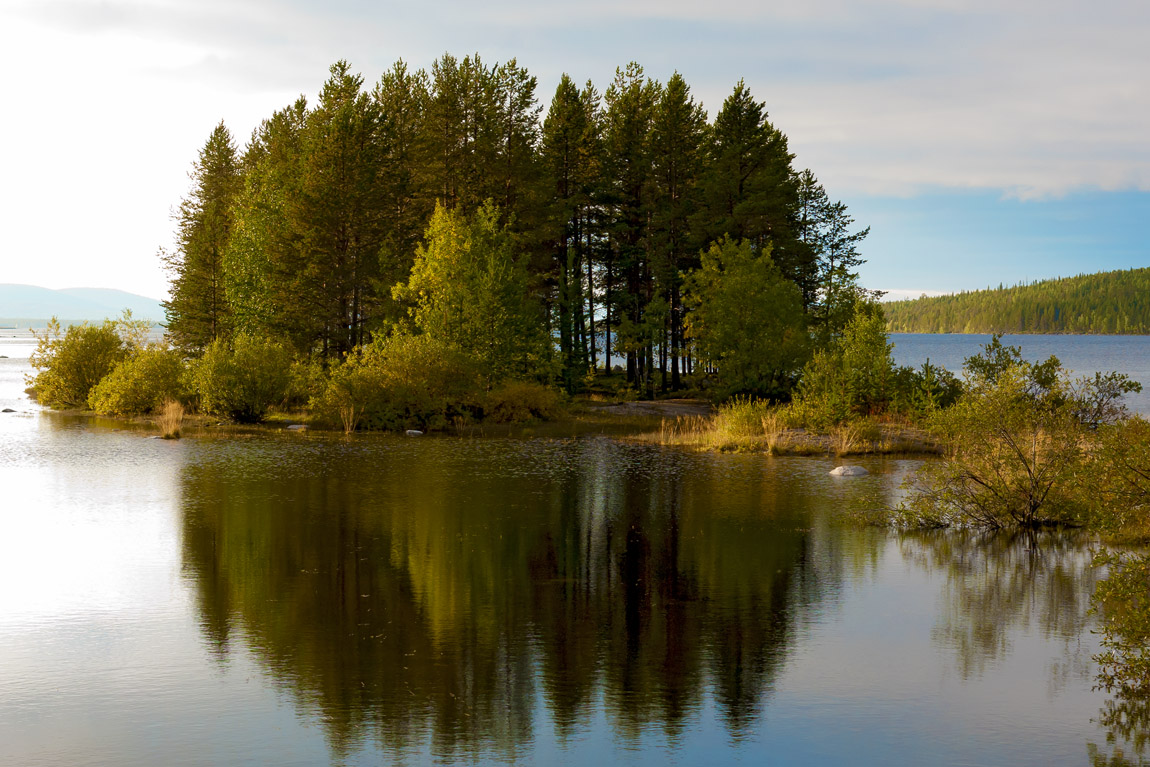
(848, 471)
(413, 433)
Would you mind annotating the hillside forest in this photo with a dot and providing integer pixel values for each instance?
(1107, 302)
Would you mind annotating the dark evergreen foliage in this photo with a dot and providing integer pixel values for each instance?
(1108, 302)
(607, 201)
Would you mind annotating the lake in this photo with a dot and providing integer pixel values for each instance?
(295, 598)
(1083, 355)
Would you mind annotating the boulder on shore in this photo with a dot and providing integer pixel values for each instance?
(848, 471)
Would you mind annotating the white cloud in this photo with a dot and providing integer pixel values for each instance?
(109, 101)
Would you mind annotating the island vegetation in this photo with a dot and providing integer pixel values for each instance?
(1107, 302)
(434, 250)
(429, 254)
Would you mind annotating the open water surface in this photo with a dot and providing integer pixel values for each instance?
(1082, 355)
(294, 598)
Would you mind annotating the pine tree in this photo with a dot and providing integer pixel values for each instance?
(630, 101)
(750, 191)
(198, 311)
(401, 97)
(677, 143)
(337, 215)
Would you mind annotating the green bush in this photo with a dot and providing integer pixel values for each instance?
(71, 365)
(747, 320)
(308, 378)
(520, 401)
(853, 376)
(1019, 442)
(139, 384)
(241, 379)
(923, 391)
(400, 381)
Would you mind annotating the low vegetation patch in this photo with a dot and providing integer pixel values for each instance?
(141, 383)
(1027, 446)
(240, 378)
(170, 419)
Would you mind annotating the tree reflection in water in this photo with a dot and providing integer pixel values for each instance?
(1122, 601)
(403, 595)
(998, 582)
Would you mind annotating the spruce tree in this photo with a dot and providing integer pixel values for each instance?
(198, 311)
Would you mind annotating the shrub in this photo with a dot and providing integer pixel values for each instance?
(400, 381)
(519, 401)
(854, 375)
(139, 384)
(1017, 442)
(923, 391)
(747, 320)
(241, 379)
(71, 365)
(307, 379)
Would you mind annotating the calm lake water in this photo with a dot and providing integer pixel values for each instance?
(1083, 355)
(293, 598)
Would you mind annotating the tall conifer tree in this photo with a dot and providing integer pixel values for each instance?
(678, 133)
(198, 311)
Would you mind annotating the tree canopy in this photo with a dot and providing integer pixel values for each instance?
(448, 187)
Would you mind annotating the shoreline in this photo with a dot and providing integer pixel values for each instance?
(680, 423)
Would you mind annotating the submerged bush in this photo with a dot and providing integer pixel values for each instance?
(400, 381)
(140, 384)
(1017, 444)
(241, 379)
(519, 401)
(70, 365)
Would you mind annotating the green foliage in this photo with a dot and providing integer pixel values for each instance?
(1108, 302)
(1016, 442)
(521, 401)
(242, 378)
(401, 381)
(141, 383)
(469, 291)
(583, 227)
(854, 375)
(747, 320)
(198, 310)
(307, 378)
(1116, 478)
(919, 393)
(70, 365)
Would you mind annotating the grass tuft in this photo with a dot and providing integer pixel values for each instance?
(171, 418)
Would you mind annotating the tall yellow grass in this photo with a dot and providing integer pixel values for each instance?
(171, 418)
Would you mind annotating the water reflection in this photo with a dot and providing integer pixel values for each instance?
(395, 614)
(1000, 583)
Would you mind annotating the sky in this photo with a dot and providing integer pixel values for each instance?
(983, 141)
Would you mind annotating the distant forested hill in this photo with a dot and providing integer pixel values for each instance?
(1108, 302)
